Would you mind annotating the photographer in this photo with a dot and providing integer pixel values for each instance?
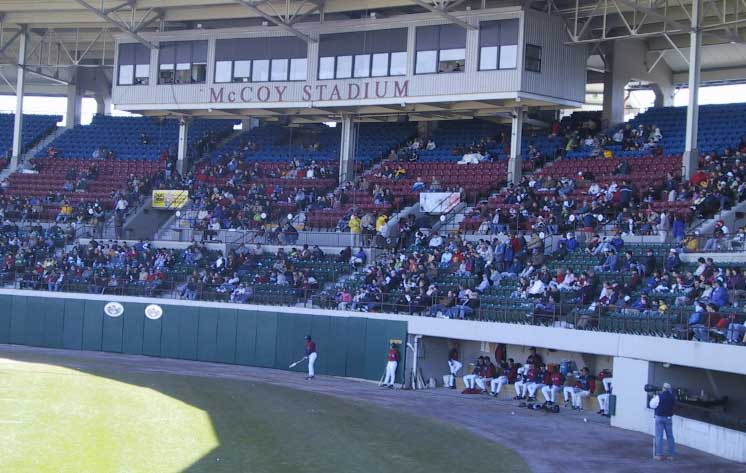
(664, 403)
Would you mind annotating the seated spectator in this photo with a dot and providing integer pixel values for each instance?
(610, 263)
(419, 185)
(736, 332)
(242, 294)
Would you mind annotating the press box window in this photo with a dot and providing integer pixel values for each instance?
(376, 53)
(452, 60)
(242, 71)
(299, 69)
(533, 58)
(260, 59)
(498, 44)
(344, 67)
(279, 69)
(440, 49)
(182, 62)
(362, 65)
(260, 72)
(134, 64)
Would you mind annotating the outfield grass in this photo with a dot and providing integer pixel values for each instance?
(61, 420)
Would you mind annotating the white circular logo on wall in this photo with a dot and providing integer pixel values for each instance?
(114, 309)
(153, 312)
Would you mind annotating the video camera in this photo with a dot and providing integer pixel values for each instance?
(651, 388)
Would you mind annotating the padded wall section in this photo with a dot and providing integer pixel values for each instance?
(347, 346)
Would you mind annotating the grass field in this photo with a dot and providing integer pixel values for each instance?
(111, 420)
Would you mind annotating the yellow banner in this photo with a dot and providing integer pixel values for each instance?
(169, 199)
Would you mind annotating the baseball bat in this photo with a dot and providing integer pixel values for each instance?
(296, 363)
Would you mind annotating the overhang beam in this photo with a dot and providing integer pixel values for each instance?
(443, 11)
(104, 15)
(254, 7)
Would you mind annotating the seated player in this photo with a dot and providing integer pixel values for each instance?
(536, 382)
(520, 382)
(582, 389)
(503, 377)
(471, 379)
(603, 399)
(486, 375)
(553, 386)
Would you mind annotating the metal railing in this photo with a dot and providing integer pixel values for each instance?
(671, 324)
(269, 237)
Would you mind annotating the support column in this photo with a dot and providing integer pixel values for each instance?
(423, 128)
(249, 124)
(691, 153)
(74, 104)
(663, 95)
(182, 161)
(347, 149)
(613, 103)
(630, 378)
(515, 163)
(20, 86)
(103, 105)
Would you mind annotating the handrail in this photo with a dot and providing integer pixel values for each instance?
(672, 324)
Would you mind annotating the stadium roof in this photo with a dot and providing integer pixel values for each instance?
(66, 33)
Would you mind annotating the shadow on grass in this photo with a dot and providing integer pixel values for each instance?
(266, 428)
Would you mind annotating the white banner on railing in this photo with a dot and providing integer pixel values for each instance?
(439, 202)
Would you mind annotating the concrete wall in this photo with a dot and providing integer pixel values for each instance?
(632, 413)
(348, 346)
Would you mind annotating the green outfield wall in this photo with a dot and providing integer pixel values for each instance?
(348, 346)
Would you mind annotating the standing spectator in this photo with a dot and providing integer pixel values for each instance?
(664, 404)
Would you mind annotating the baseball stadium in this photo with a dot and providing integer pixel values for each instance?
(277, 236)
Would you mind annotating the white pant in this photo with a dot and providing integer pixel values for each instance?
(470, 380)
(311, 362)
(520, 388)
(390, 373)
(567, 393)
(481, 383)
(453, 366)
(577, 397)
(550, 393)
(533, 387)
(607, 384)
(603, 402)
(497, 384)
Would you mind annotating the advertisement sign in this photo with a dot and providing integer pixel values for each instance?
(439, 202)
(169, 199)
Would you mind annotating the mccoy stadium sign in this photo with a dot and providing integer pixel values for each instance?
(374, 89)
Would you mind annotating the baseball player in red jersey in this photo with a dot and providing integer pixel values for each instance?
(454, 365)
(555, 384)
(311, 355)
(393, 362)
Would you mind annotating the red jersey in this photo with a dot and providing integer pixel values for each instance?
(310, 347)
(556, 379)
(531, 375)
(488, 371)
(393, 355)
